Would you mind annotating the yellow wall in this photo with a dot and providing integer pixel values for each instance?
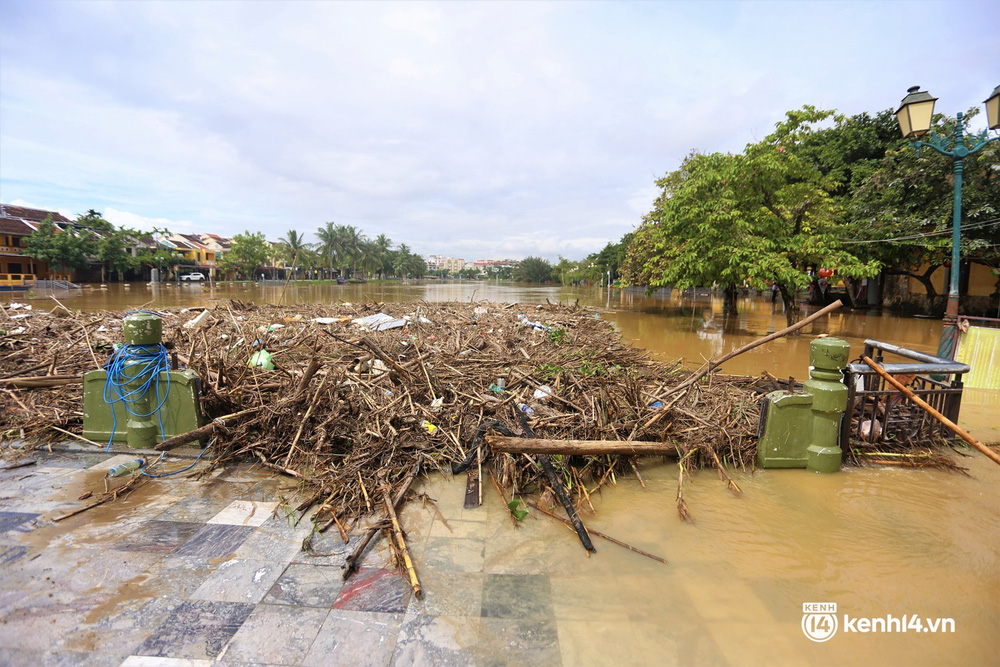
(982, 282)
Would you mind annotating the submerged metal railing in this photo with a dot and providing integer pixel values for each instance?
(876, 411)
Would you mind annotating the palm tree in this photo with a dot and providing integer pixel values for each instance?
(383, 248)
(293, 247)
(348, 241)
(368, 258)
(327, 236)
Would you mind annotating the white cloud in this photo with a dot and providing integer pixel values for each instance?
(470, 129)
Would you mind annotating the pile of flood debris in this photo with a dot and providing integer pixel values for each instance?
(355, 399)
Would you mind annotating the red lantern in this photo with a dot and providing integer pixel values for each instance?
(825, 273)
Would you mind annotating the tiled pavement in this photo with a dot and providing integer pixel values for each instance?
(186, 572)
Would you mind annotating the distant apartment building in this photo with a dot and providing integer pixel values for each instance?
(484, 265)
(439, 263)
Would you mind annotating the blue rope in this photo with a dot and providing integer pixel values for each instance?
(174, 472)
(140, 364)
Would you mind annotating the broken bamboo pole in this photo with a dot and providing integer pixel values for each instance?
(502, 443)
(397, 533)
(351, 562)
(712, 364)
(955, 428)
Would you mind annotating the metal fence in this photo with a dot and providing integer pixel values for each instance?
(878, 412)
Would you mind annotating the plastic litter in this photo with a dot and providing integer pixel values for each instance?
(262, 359)
(379, 322)
(427, 426)
(480, 311)
(542, 393)
(324, 320)
(656, 404)
(498, 386)
(126, 468)
(528, 323)
(526, 409)
(196, 322)
(437, 404)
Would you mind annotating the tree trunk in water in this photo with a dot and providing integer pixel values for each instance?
(791, 305)
(729, 307)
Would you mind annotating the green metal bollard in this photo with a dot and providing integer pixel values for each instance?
(147, 330)
(828, 357)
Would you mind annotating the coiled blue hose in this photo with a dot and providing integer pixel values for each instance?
(131, 364)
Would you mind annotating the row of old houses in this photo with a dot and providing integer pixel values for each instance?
(195, 252)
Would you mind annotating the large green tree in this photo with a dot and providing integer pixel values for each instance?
(533, 270)
(249, 252)
(62, 249)
(759, 217)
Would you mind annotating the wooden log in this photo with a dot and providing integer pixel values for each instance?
(202, 432)
(955, 428)
(502, 443)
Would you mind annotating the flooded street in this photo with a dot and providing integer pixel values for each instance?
(877, 542)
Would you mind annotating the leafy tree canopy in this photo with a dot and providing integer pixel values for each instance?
(249, 252)
(765, 215)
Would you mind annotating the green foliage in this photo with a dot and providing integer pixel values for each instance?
(114, 251)
(533, 270)
(765, 215)
(248, 253)
(513, 506)
(558, 335)
(61, 249)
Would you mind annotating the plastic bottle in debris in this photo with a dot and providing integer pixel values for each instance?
(125, 468)
(427, 426)
(526, 409)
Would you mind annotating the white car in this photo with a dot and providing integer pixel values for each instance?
(193, 277)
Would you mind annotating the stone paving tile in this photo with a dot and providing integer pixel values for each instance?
(245, 513)
(161, 536)
(307, 586)
(374, 589)
(151, 661)
(197, 629)
(11, 553)
(16, 521)
(239, 580)
(506, 641)
(523, 596)
(273, 543)
(42, 621)
(198, 510)
(106, 570)
(120, 625)
(181, 576)
(436, 640)
(215, 541)
(446, 554)
(329, 549)
(275, 635)
(17, 657)
(449, 594)
(355, 638)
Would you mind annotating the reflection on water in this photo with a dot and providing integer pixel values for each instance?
(876, 542)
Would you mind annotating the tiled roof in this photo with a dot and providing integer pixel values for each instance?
(14, 227)
(30, 214)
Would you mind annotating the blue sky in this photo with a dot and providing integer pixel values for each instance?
(475, 130)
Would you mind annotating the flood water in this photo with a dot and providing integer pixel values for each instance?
(877, 542)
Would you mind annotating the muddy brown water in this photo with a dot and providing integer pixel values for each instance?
(877, 542)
